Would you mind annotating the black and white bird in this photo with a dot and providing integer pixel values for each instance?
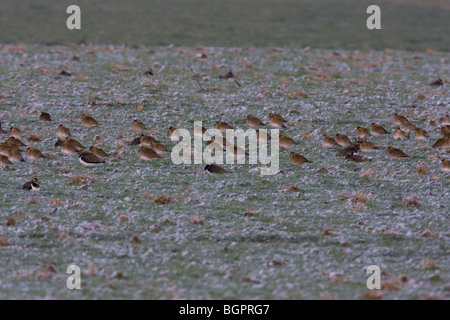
(89, 159)
(32, 185)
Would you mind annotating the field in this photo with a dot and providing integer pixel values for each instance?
(155, 230)
(304, 233)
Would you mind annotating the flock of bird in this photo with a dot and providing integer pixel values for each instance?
(152, 149)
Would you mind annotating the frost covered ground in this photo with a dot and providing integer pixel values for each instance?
(161, 231)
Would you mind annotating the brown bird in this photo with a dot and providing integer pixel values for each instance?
(263, 137)
(377, 130)
(15, 156)
(445, 166)
(445, 130)
(15, 133)
(276, 121)
(366, 146)
(356, 158)
(45, 117)
(159, 148)
(213, 168)
(199, 131)
(147, 141)
(329, 142)
(147, 154)
(407, 127)
(442, 143)
(88, 121)
(32, 185)
(444, 121)
(342, 140)
(138, 126)
(254, 122)
(34, 154)
(98, 152)
(173, 134)
(297, 159)
(4, 161)
(136, 141)
(397, 119)
(15, 142)
(1, 130)
(396, 154)
(223, 126)
(286, 142)
(420, 134)
(351, 149)
(71, 147)
(4, 148)
(237, 152)
(398, 134)
(62, 132)
(362, 133)
(89, 159)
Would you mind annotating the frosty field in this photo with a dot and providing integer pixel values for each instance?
(160, 231)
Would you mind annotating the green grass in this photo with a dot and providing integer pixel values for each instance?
(282, 250)
(412, 25)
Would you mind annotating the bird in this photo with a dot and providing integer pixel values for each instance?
(88, 121)
(223, 126)
(342, 140)
(276, 121)
(15, 142)
(237, 151)
(407, 127)
(4, 161)
(34, 154)
(213, 168)
(199, 131)
(442, 143)
(286, 142)
(397, 119)
(4, 148)
(254, 122)
(396, 154)
(230, 75)
(15, 156)
(89, 159)
(138, 126)
(32, 185)
(146, 141)
(445, 166)
(445, 130)
(147, 154)
(362, 133)
(297, 159)
(15, 132)
(98, 152)
(263, 137)
(1, 130)
(71, 147)
(45, 117)
(357, 158)
(62, 132)
(377, 130)
(398, 134)
(366, 146)
(351, 149)
(173, 134)
(444, 121)
(329, 142)
(420, 134)
(158, 147)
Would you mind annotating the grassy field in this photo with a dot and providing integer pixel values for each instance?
(306, 232)
(406, 24)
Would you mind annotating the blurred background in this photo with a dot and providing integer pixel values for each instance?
(406, 24)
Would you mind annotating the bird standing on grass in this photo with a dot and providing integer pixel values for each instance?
(329, 142)
(147, 154)
(396, 154)
(45, 117)
(62, 132)
(89, 159)
(88, 121)
(362, 133)
(213, 168)
(276, 121)
(297, 159)
(254, 122)
(32, 185)
(342, 140)
(34, 154)
(445, 166)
